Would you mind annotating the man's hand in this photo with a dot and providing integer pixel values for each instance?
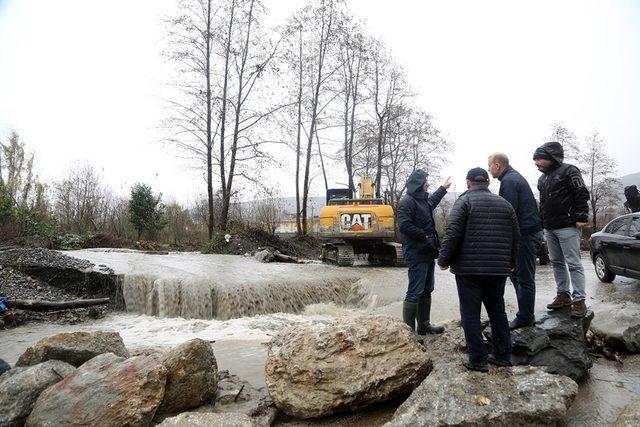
(581, 225)
(446, 184)
(443, 267)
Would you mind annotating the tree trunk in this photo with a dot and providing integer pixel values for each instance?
(299, 140)
(40, 305)
(224, 214)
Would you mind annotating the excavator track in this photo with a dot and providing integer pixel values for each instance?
(399, 259)
(338, 253)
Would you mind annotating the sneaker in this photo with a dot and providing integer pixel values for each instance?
(561, 300)
(516, 324)
(499, 362)
(480, 367)
(578, 309)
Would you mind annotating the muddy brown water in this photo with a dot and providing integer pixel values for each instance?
(253, 301)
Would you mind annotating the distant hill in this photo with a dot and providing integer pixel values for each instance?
(631, 179)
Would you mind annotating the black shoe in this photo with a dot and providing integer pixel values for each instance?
(480, 367)
(499, 362)
(516, 324)
(430, 329)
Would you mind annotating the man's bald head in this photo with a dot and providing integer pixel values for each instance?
(497, 163)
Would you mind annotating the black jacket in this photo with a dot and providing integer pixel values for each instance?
(564, 199)
(415, 220)
(482, 234)
(516, 190)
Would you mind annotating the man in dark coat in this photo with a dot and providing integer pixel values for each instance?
(516, 190)
(420, 248)
(564, 210)
(480, 247)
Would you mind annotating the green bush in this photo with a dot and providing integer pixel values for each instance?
(217, 244)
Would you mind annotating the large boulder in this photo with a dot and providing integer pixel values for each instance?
(20, 388)
(207, 419)
(192, 377)
(630, 417)
(107, 390)
(557, 343)
(453, 396)
(619, 325)
(343, 366)
(74, 348)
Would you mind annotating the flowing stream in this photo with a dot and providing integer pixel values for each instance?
(240, 303)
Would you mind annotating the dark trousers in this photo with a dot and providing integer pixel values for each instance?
(524, 276)
(420, 280)
(473, 291)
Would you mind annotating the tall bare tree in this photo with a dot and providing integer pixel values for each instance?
(389, 89)
(191, 37)
(599, 169)
(567, 139)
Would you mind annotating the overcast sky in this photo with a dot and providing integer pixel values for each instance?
(79, 80)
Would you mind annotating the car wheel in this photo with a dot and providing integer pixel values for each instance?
(602, 270)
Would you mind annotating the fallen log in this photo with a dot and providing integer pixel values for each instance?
(286, 258)
(40, 305)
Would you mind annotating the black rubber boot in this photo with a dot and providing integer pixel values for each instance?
(409, 310)
(424, 318)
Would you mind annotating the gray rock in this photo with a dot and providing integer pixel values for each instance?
(74, 348)
(107, 390)
(236, 395)
(264, 256)
(192, 377)
(630, 417)
(619, 325)
(20, 388)
(4, 366)
(207, 419)
(556, 342)
(343, 366)
(521, 395)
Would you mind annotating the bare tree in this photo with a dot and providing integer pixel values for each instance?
(194, 125)
(389, 89)
(567, 139)
(311, 35)
(353, 51)
(599, 169)
(82, 201)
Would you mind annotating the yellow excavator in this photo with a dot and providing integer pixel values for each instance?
(362, 225)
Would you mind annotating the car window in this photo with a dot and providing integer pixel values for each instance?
(618, 227)
(635, 226)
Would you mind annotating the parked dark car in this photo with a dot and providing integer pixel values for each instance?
(616, 249)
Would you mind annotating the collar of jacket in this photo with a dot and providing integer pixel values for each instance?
(420, 195)
(478, 188)
(504, 172)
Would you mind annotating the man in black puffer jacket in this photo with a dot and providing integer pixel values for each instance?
(480, 246)
(420, 248)
(564, 210)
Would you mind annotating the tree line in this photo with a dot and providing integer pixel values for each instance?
(319, 87)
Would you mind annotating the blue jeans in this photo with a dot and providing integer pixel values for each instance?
(420, 280)
(473, 291)
(524, 276)
(564, 251)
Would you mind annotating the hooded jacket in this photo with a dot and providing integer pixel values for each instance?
(564, 198)
(516, 190)
(415, 220)
(482, 235)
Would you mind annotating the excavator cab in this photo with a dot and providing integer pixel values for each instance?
(360, 225)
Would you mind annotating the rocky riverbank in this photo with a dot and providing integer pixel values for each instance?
(42, 274)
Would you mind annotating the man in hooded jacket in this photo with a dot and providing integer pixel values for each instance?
(420, 248)
(564, 211)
